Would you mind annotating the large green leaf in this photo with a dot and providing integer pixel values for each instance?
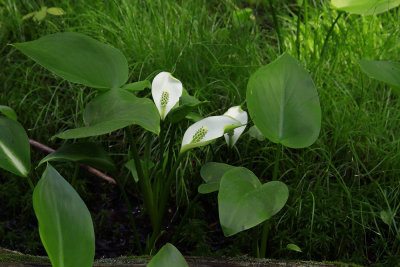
(14, 147)
(79, 58)
(113, 110)
(137, 86)
(283, 103)
(168, 256)
(365, 7)
(385, 71)
(84, 152)
(243, 202)
(65, 225)
(212, 172)
(8, 112)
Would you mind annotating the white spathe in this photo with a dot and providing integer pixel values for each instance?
(237, 113)
(207, 130)
(166, 91)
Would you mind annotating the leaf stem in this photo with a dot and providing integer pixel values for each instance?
(328, 35)
(267, 226)
(30, 183)
(277, 28)
(76, 171)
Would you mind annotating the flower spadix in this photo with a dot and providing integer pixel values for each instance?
(238, 114)
(207, 130)
(166, 91)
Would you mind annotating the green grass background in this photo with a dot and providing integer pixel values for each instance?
(338, 186)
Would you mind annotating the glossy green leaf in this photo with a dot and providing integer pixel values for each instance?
(113, 110)
(384, 71)
(187, 104)
(243, 202)
(88, 153)
(365, 7)
(212, 172)
(55, 11)
(8, 112)
(79, 58)
(130, 165)
(168, 256)
(294, 247)
(65, 224)
(283, 103)
(14, 147)
(137, 86)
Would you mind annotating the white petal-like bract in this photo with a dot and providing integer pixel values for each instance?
(166, 91)
(238, 114)
(206, 130)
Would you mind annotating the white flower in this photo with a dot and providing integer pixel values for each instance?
(166, 91)
(238, 114)
(207, 130)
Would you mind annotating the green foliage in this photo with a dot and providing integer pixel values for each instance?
(83, 152)
(137, 86)
(78, 58)
(365, 7)
(168, 256)
(65, 224)
(8, 112)
(283, 103)
(212, 172)
(14, 147)
(41, 14)
(385, 71)
(114, 110)
(243, 202)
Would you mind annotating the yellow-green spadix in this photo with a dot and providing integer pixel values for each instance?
(238, 114)
(166, 91)
(207, 130)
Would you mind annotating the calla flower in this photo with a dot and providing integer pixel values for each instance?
(166, 91)
(238, 114)
(207, 130)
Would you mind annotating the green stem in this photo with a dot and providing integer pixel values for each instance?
(277, 28)
(75, 176)
(266, 226)
(183, 220)
(328, 35)
(131, 218)
(264, 238)
(144, 182)
(147, 154)
(162, 142)
(30, 183)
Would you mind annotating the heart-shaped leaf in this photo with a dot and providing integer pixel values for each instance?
(65, 224)
(84, 152)
(384, 71)
(14, 147)
(168, 256)
(212, 172)
(283, 103)
(78, 58)
(243, 202)
(114, 110)
(365, 7)
(8, 112)
(137, 86)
